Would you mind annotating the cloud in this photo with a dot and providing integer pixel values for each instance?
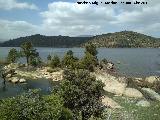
(68, 18)
(13, 29)
(13, 4)
(73, 19)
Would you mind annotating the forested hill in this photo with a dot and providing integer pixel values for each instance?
(47, 41)
(125, 39)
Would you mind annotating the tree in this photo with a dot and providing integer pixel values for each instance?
(35, 61)
(91, 48)
(82, 93)
(69, 60)
(28, 51)
(12, 55)
(55, 62)
(89, 61)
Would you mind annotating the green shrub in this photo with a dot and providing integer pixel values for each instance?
(55, 62)
(69, 60)
(82, 94)
(32, 106)
(35, 61)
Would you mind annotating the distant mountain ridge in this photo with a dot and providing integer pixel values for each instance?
(123, 39)
(47, 41)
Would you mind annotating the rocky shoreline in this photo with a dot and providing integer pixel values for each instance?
(142, 90)
(21, 74)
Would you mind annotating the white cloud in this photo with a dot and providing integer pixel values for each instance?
(72, 19)
(13, 4)
(13, 29)
(66, 18)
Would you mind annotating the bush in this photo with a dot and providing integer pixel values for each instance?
(35, 61)
(32, 106)
(82, 94)
(55, 62)
(69, 60)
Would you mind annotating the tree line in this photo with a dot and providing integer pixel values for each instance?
(47, 41)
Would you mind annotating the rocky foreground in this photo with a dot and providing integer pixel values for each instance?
(129, 88)
(138, 90)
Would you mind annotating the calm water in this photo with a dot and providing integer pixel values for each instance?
(131, 62)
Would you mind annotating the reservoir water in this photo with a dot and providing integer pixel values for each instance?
(135, 62)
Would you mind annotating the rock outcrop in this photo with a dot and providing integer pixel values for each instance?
(14, 80)
(112, 84)
(22, 80)
(143, 103)
(152, 79)
(41, 73)
(132, 92)
(12, 66)
(118, 86)
(151, 93)
(108, 102)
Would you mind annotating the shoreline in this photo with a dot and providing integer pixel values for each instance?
(115, 86)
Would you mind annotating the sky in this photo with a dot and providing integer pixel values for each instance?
(20, 18)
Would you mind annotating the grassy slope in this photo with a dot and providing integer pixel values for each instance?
(131, 111)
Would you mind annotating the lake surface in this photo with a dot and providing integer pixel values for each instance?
(137, 62)
(11, 90)
(129, 61)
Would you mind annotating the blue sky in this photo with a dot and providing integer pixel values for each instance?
(65, 17)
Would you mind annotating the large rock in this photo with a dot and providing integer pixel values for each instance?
(8, 73)
(22, 80)
(110, 65)
(108, 102)
(151, 93)
(143, 103)
(12, 66)
(152, 79)
(15, 80)
(132, 92)
(9, 76)
(115, 87)
(113, 84)
(57, 76)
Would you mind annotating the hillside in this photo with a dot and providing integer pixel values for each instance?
(125, 39)
(47, 41)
